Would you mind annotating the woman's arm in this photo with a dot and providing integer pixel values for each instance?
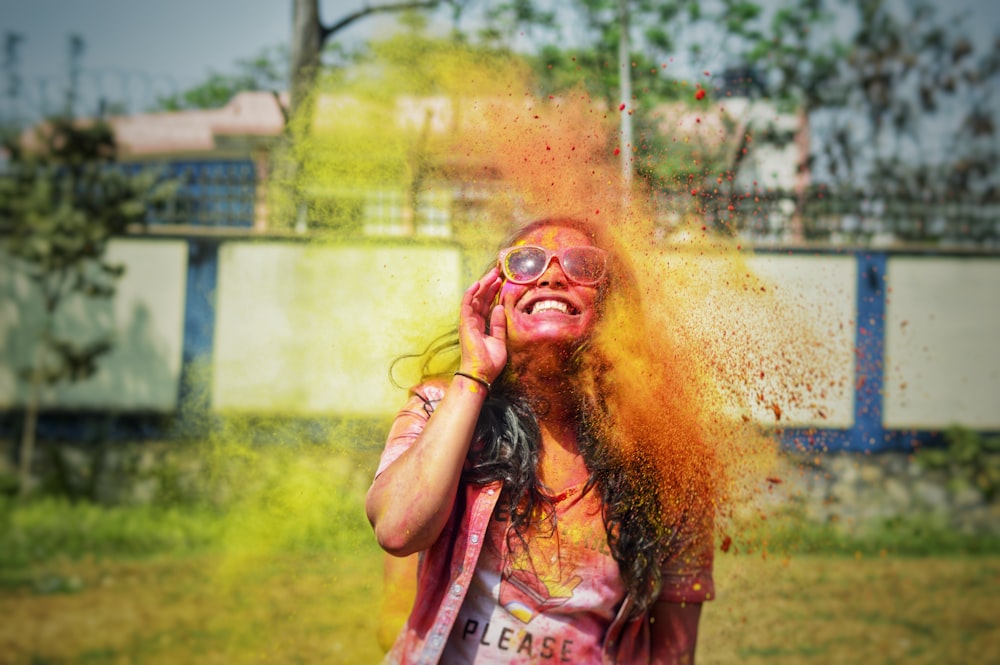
(409, 503)
(673, 632)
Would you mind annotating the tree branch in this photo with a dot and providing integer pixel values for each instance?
(326, 31)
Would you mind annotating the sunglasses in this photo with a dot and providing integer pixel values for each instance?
(525, 263)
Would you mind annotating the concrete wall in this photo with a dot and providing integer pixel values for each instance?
(142, 372)
(296, 329)
(819, 297)
(311, 330)
(942, 341)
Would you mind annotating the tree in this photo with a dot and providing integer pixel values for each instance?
(900, 108)
(310, 35)
(60, 205)
(891, 97)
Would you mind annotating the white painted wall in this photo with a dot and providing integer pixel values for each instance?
(942, 364)
(779, 330)
(311, 329)
(816, 300)
(142, 372)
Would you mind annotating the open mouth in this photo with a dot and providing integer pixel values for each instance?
(551, 305)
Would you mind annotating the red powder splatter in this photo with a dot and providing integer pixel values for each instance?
(617, 151)
(774, 480)
(699, 93)
(727, 542)
(622, 107)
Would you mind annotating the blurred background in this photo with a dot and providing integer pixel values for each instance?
(221, 221)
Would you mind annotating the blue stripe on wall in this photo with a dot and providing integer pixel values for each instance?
(800, 439)
(868, 433)
(199, 326)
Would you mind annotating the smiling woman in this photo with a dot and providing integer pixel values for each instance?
(559, 496)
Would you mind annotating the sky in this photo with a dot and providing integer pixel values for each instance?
(139, 50)
(149, 48)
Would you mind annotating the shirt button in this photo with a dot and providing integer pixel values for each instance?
(457, 589)
(474, 538)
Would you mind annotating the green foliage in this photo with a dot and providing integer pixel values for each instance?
(969, 459)
(60, 205)
(48, 528)
(62, 200)
(883, 87)
(902, 536)
(659, 30)
(234, 498)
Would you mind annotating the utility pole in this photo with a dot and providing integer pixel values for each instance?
(625, 91)
(76, 47)
(12, 114)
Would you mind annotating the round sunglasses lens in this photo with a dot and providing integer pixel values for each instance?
(584, 264)
(525, 264)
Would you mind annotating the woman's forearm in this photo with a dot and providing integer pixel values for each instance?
(409, 503)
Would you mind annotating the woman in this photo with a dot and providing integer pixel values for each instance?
(545, 483)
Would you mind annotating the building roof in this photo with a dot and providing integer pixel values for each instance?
(248, 114)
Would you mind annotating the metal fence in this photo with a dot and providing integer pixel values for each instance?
(860, 218)
(223, 194)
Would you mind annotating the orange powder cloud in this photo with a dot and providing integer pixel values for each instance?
(704, 341)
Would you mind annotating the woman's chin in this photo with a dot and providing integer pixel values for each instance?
(540, 345)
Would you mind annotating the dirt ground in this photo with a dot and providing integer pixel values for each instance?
(320, 609)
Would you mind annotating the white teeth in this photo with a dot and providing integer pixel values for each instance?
(547, 305)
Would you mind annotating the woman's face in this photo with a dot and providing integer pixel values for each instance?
(553, 309)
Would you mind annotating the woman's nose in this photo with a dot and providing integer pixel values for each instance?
(553, 275)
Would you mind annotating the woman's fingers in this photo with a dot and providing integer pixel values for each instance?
(483, 327)
(480, 295)
(498, 324)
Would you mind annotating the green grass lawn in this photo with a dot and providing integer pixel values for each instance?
(316, 608)
(286, 570)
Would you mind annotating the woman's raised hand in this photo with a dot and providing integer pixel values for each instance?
(412, 499)
(484, 354)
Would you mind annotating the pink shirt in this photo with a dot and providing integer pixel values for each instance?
(449, 568)
(551, 602)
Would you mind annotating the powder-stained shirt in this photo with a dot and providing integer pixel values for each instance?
(551, 602)
(448, 569)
